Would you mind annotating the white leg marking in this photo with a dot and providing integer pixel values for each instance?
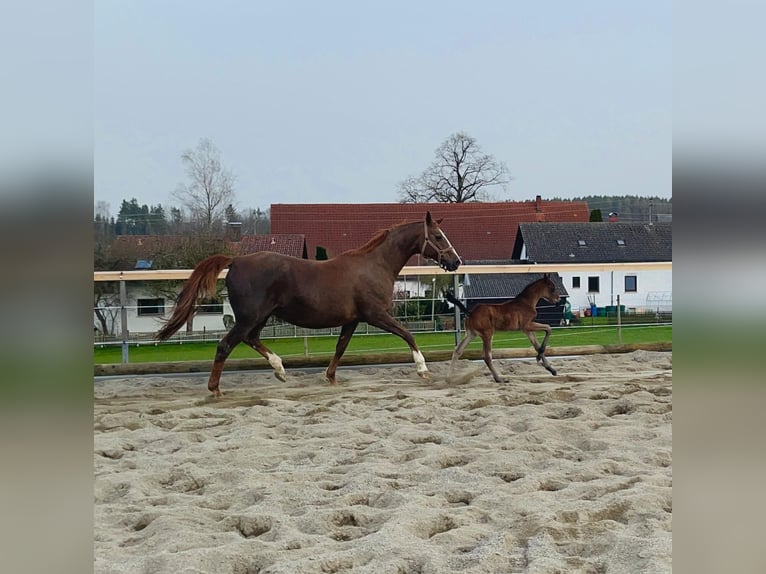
(276, 362)
(420, 361)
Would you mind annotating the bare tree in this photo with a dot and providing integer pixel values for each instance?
(106, 306)
(211, 185)
(460, 172)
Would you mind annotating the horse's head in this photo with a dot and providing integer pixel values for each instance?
(549, 292)
(437, 247)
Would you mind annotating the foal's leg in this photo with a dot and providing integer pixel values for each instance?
(540, 348)
(486, 339)
(225, 347)
(388, 323)
(345, 336)
(461, 347)
(253, 339)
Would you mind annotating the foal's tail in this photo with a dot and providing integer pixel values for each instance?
(201, 283)
(454, 300)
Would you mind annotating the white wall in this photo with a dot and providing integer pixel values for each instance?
(612, 283)
(152, 323)
(414, 286)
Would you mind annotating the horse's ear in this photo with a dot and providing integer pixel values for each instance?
(428, 217)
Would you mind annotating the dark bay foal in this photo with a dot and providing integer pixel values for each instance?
(515, 315)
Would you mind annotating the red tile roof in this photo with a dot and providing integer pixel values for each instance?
(477, 230)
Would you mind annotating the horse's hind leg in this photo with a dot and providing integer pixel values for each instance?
(224, 349)
(346, 333)
(253, 339)
(486, 339)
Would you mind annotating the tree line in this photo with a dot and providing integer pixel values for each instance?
(627, 208)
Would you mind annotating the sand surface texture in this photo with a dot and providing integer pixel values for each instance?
(387, 473)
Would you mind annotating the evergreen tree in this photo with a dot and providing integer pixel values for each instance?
(230, 214)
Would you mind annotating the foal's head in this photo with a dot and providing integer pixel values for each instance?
(437, 247)
(548, 287)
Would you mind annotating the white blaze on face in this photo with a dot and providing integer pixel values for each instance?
(450, 244)
(420, 362)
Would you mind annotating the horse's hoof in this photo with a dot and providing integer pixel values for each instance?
(281, 376)
(216, 394)
(425, 375)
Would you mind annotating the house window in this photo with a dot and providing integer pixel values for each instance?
(151, 307)
(631, 284)
(581, 242)
(211, 306)
(575, 282)
(593, 285)
(621, 242)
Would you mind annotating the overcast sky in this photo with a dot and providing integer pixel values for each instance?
(339, 101)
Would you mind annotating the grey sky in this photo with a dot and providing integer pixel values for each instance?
(339, 101)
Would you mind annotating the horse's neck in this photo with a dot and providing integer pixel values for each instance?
(531, 296)
(401, 243)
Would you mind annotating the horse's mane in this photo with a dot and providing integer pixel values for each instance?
(377, 239)
(529, 287)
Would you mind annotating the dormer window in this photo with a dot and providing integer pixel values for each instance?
(581, 242)
(620, 242)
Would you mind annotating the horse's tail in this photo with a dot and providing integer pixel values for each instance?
(201, 283)
(454, 300)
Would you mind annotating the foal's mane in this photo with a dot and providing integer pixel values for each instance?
(374, 242)
(530, 286)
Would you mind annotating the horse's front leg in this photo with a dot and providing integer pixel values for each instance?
(345, 336)
(540, 348)
(461, 347)
(388, 323)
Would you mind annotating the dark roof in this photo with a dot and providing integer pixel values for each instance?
(477, 230)
(504, 285)
(594, 242)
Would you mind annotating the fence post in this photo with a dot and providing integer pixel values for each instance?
(456, 285)
(305, 345)
(124, 318)
(619, 322)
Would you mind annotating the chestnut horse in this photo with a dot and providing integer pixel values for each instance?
(355, 286)
(515, 315)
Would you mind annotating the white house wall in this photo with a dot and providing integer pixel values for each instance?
(612, 283)
(214, 322)
(152, 323)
